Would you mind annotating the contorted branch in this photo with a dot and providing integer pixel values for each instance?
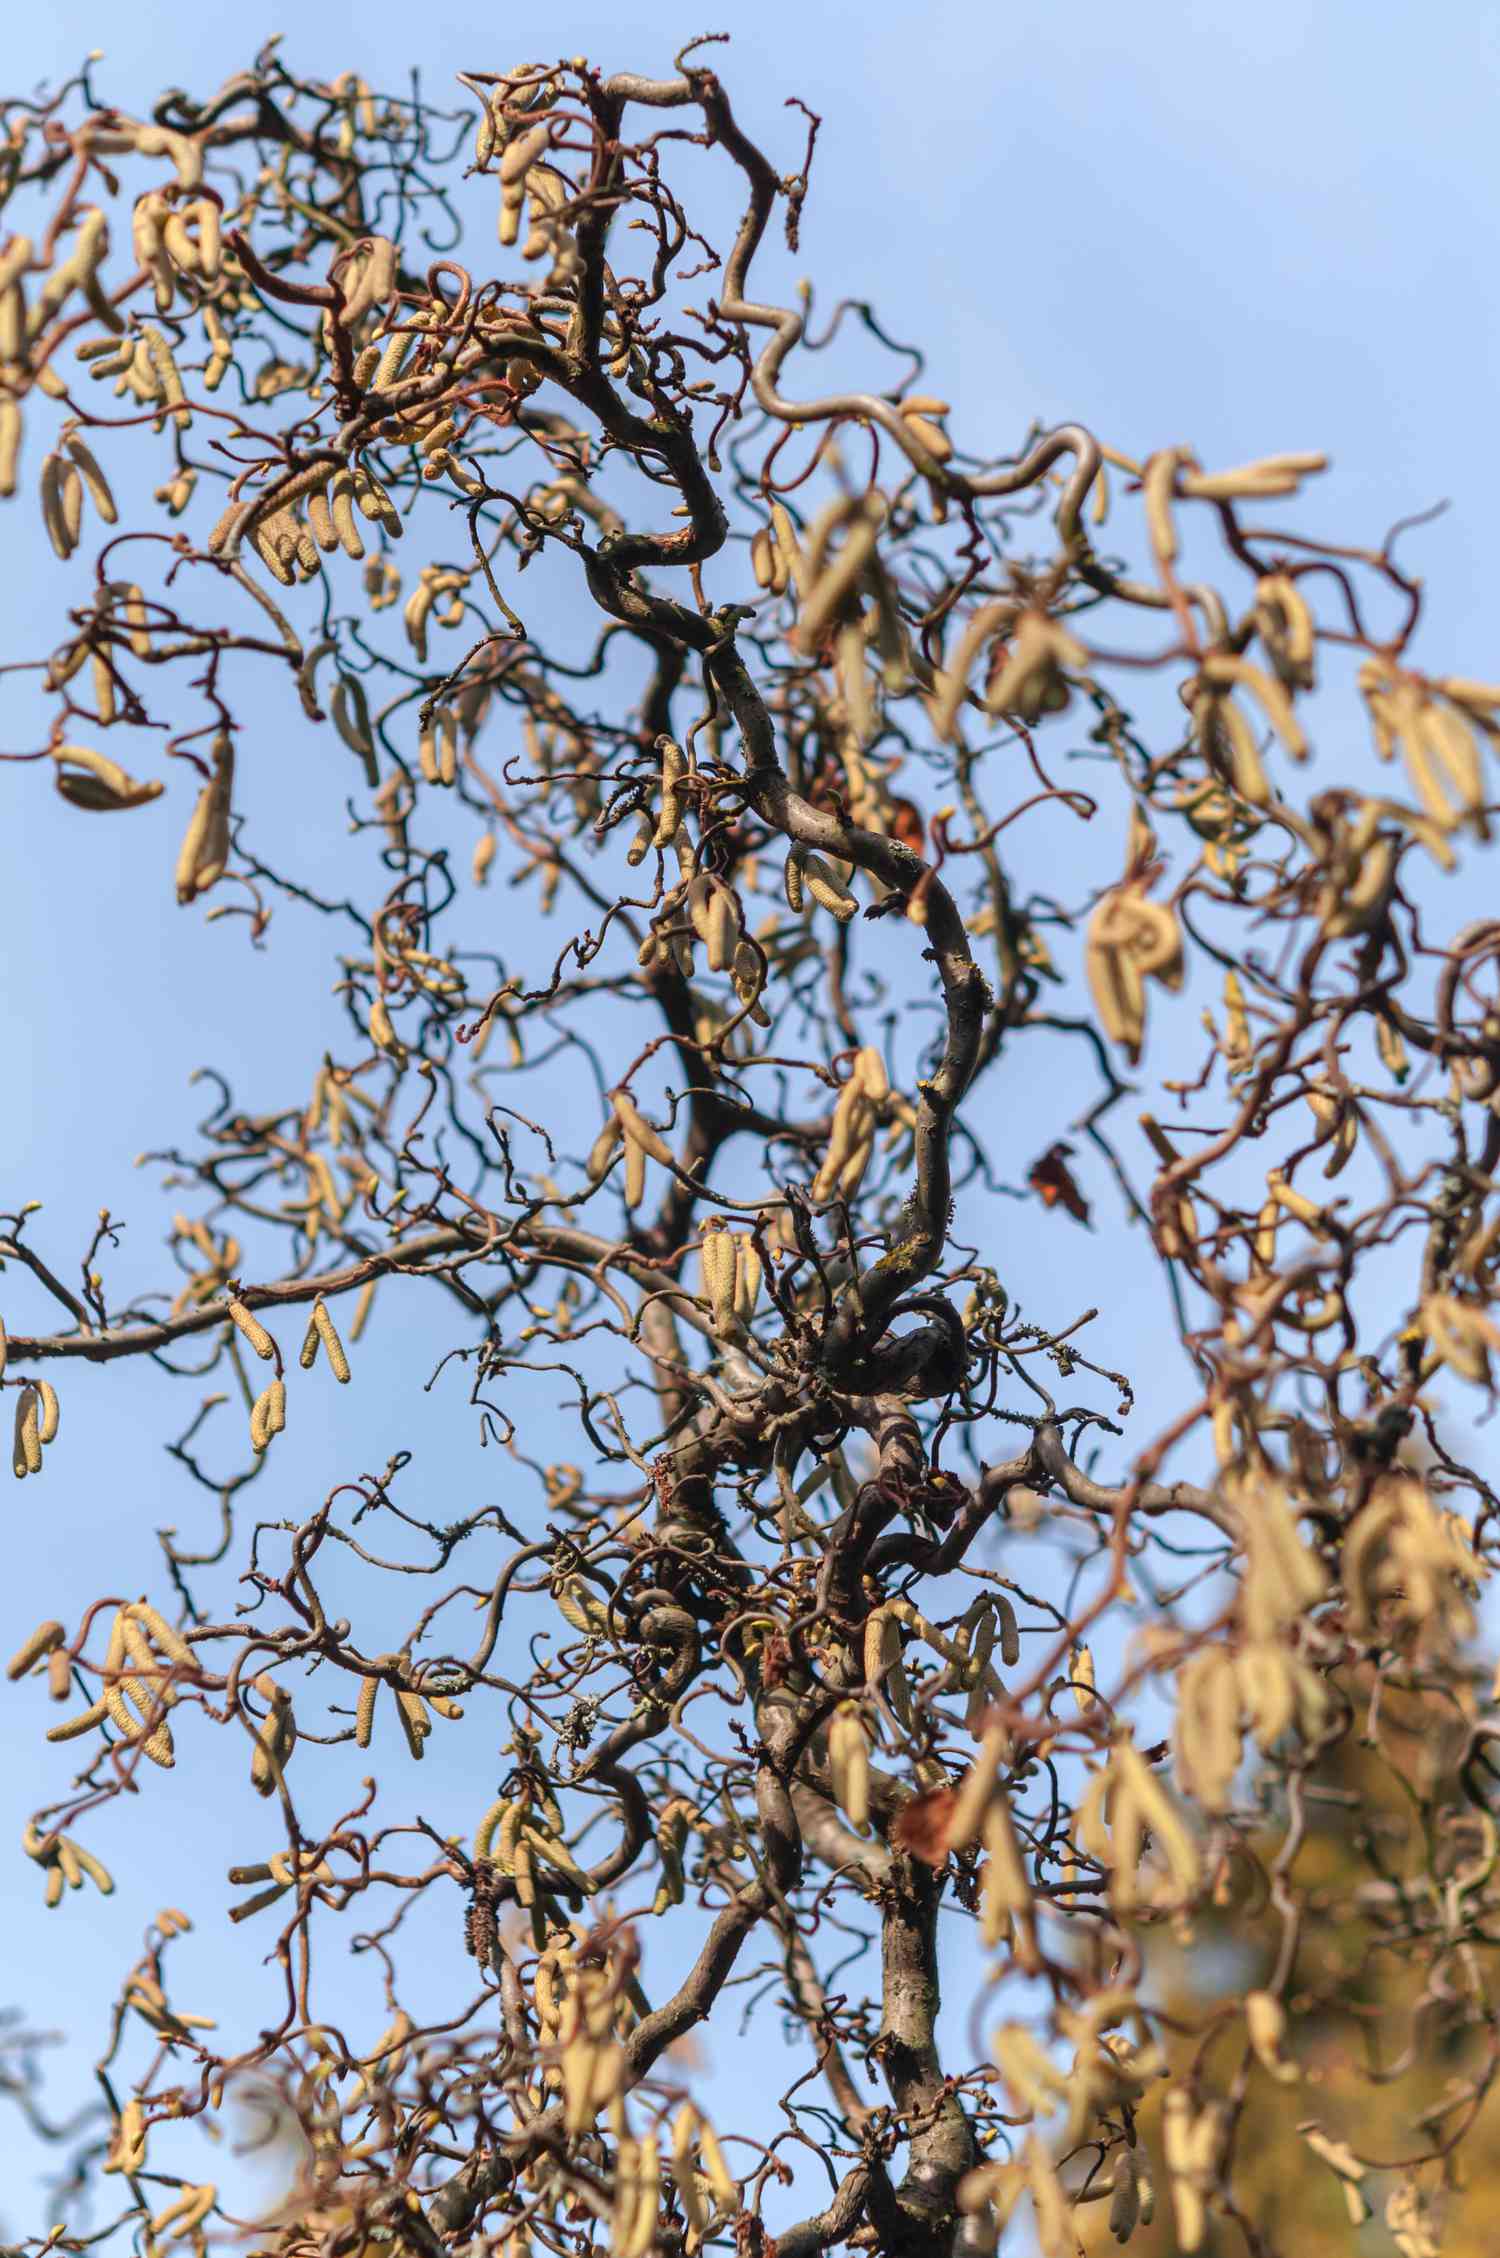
(707, 915)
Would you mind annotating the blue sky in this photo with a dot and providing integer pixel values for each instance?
(1179, 224)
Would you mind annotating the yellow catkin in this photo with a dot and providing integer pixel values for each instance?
(71, 1728)
(275, 1739)
(415, 1723)
(268, 1414)
(27, 1454)
(161, 1633)
(255, 1333)
(43, 1640)
(328, 1335)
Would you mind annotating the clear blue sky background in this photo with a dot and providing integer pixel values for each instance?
(1178, 223)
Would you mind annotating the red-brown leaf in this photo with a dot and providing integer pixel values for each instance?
(922, 1827)
(1053, 1181)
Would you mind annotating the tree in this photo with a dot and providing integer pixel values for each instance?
(1374, 2041)
(854, 1617)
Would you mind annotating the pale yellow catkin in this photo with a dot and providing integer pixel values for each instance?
(328, 1335)
(415, 1723)
(255, 1333)
(42, 1641)
(27, 1454)
(171, 1642)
